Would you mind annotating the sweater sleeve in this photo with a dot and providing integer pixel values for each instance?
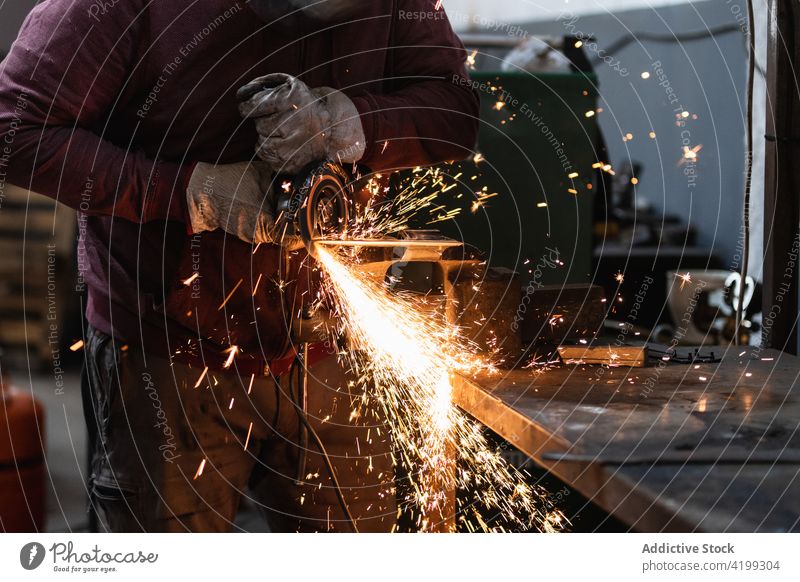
(430, 115)
(58, 86)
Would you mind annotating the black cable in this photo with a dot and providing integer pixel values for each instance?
(627, 39)
(301, 395)
(630, 37)
(328, 463)
(751, 62)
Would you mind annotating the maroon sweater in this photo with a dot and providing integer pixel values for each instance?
(105, 106)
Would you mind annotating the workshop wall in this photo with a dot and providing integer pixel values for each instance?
(707, 77)
(13, 15)
(529, 10)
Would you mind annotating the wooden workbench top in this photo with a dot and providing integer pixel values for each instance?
(672, 447)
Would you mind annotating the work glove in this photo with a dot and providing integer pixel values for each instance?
(234, 197)
(297, 125)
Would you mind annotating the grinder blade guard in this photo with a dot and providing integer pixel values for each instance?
(318, 202)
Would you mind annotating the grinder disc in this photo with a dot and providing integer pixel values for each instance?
(325, 195)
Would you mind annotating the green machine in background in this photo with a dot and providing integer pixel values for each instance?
(538, 143)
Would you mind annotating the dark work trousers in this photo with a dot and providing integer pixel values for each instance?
(171, 455)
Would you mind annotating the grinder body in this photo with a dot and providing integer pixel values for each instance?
(317, 203)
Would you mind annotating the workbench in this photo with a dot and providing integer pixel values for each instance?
(708, 447)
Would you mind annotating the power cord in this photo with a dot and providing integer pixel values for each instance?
(630, 37)
(627, 39)
(303, 417)
(751, 71)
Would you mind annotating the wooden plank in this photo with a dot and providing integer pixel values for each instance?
(605, 355)
(26, 333)
(19, 222)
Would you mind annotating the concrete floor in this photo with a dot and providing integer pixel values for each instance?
(65, 453)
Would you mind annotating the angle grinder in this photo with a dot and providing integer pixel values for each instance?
(316, 204)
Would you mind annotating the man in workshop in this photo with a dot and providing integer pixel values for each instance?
(133, 113)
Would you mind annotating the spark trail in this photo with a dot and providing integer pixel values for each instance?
(405, 355)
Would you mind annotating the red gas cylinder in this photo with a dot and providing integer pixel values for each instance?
(22, 469)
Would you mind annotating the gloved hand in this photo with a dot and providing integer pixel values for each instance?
(298, 125)
(234, 197)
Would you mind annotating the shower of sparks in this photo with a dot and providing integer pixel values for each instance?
(200, 379)
(191, 279)
(689, 154)
(416, 197)
(247, 440)
(607, 168)
(405, 357)
(687, 278)
(258, 281)
(619, 277)
(235, 287)
(199, 472)
(231, 351)
(480, 200)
